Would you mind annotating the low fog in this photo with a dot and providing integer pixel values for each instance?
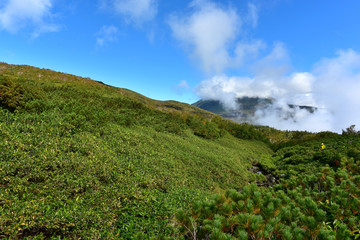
(333, 87)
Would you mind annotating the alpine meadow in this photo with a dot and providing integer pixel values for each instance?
(80, 159)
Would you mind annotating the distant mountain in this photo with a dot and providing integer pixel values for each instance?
(247, 106)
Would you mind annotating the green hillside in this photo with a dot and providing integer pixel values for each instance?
(83, 160)
(80, 159)
(318, 196)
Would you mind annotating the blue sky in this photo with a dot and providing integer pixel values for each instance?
(190, 49)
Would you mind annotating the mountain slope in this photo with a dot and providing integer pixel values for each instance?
(83, 160)
(247, 106)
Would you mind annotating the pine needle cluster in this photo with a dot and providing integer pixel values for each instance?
(321, 206)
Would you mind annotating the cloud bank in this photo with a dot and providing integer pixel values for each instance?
(337, 87)
(332, 86)
(18, 14)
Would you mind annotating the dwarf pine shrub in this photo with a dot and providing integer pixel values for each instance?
(322, 206)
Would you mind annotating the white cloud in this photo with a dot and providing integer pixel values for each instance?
(268, 81)
(247, 51)
(252, 15)
(18, 14)
(183, 84)
(282, 117)
(227, 89)
(136, 11)
(301, 82)
(224, 89)
(182, 87)
(337, 87)
(274, 65)
(295, 89)
(333, 87)
(107, 34)
(208, 32)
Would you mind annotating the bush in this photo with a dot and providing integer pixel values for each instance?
(328, 156)
(323, 206)
(16, 93)
(11, 94)
(203, 127)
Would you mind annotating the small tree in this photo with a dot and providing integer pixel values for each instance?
(350, 131)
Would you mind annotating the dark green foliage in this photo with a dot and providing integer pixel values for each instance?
(15, 93)
(202, 127)
(328, 156)
(245, 131)
(322, 206)
(307, 157)
(312, 201)
(350, 131)
(11, 95)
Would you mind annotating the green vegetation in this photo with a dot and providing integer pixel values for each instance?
(83, 160)
(318, 197)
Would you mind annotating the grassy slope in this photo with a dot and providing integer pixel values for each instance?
(79, 159)
(318, 196)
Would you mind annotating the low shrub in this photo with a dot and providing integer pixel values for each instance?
(322, 206)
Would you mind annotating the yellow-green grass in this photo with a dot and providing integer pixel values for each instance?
(83, 160)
